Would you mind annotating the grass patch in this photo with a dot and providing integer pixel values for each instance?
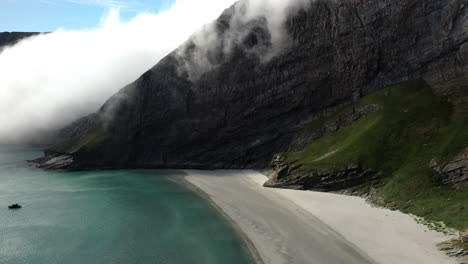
(412, 128)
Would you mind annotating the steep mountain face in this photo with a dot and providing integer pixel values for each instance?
(243, 109)
(10, 38)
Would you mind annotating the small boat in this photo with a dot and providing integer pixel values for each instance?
(14, 206)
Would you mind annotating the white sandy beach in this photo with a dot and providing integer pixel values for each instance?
(288, 226)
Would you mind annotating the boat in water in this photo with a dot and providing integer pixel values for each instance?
(14, 206)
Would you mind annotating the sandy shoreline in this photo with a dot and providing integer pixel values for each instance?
(287, 226)
(242, 235)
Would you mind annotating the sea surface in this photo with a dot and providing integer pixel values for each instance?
(107, 217)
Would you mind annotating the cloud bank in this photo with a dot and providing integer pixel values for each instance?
(50, 80)
(256, 26)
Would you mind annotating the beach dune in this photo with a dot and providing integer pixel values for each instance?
(289, 226)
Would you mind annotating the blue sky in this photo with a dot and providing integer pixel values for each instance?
(48, 15)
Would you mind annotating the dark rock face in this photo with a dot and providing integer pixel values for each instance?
(10, 38)
(454, 172)
(243, 111)
(56, 163)
(287, 176)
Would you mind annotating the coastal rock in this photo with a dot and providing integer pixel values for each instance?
(288, 176)
(454, 172)
(245, 109)
(56, 163)
(455, 249)
(463, 236)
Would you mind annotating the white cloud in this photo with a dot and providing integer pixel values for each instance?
(50, 80)
(272, 14)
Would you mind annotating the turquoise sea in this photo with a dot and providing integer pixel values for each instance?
(107, 217)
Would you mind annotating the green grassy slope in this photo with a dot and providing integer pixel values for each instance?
(90, 141)
(412, 128)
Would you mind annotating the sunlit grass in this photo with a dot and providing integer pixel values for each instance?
(412, 128)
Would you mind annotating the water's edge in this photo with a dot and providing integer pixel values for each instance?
(247, 243)
(212, 236)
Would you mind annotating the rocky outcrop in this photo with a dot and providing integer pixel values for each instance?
(11, 38)
(456, 249)
(242, 111)
(463, 236)
(56, 162)
(284, 175)
(454, 172)
(329, 122)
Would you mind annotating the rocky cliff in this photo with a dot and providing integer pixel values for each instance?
(10, 38)
(455, 171)
(244, 109)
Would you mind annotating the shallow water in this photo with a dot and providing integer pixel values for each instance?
(107, 217)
